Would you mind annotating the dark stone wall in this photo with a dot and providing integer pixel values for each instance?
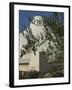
(44, 65)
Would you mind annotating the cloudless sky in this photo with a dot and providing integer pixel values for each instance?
(24, 15)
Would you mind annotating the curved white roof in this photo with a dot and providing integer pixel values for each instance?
(38, 20)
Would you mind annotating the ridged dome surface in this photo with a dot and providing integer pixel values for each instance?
(38, 20)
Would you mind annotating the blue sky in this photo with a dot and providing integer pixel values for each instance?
(24, 17)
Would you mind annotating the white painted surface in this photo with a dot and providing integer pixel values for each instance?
(37, 30)
(24, 67)
(22, 41)
(38, 20)
(34, 63)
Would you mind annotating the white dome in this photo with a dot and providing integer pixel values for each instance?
(38, 20)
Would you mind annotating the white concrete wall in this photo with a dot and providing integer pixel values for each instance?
(33, 63)
(24, 68)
